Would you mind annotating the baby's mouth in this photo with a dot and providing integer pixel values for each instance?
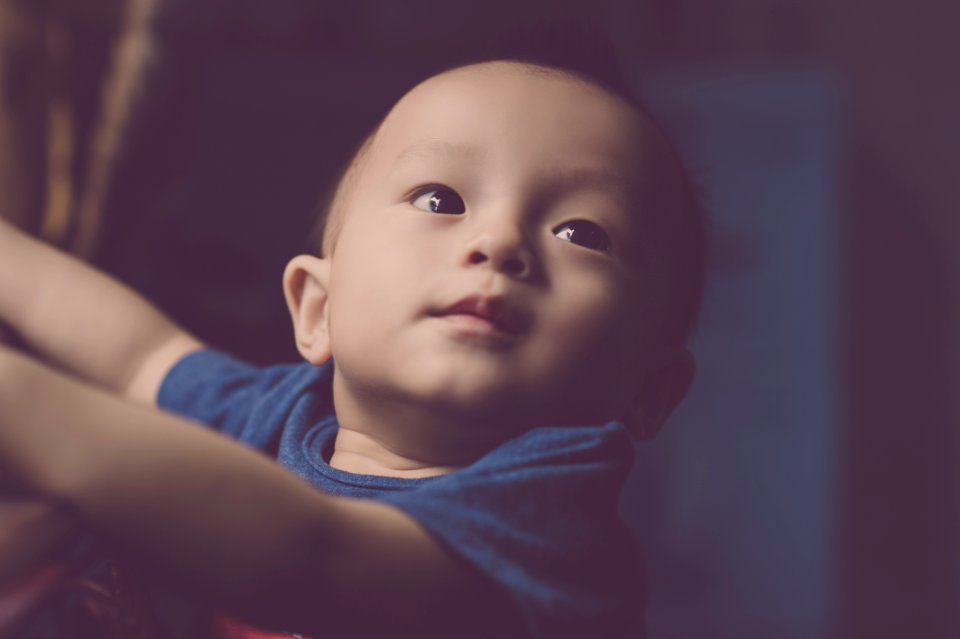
(485, 314)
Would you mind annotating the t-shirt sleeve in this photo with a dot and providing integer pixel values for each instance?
(539, 518)
(243, 401)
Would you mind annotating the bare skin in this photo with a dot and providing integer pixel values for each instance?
(496, 318)
(570, 340)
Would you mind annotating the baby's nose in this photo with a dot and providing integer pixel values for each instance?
(512, 265)
(503, 247)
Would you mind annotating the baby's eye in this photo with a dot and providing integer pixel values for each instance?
(586, 234)
(439, 199)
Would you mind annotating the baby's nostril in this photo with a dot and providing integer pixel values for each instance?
(513, 266)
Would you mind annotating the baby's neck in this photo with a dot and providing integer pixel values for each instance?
(357, 452)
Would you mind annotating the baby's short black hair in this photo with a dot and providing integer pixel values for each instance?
(678, 219)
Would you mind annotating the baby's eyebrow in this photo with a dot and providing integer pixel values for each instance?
(566, 179)
(436, 146)
(578, 177)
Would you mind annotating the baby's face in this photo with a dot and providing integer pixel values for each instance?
(487, 264)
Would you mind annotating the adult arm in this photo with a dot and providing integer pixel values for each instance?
(33, 531)
(83, 321)
(232, 526)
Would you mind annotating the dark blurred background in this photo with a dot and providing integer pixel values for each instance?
(809, 486)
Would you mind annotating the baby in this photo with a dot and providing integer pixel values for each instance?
(510, 267)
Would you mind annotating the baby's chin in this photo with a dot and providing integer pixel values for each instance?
(505, 398)
(506, 409)
(482, 394)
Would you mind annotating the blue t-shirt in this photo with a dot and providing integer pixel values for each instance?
(537, 515)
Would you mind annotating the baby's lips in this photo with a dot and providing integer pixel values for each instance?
(492, 308)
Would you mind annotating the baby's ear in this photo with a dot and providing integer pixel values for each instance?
(659, 394)
(305, 282)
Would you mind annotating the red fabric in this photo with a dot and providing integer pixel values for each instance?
(23, 597)
(226, 628)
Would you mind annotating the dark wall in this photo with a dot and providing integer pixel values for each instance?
(899, 506)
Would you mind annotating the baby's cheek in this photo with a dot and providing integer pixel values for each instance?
(600, 302)
(599, 324)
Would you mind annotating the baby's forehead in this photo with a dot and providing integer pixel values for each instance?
(477, 110)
